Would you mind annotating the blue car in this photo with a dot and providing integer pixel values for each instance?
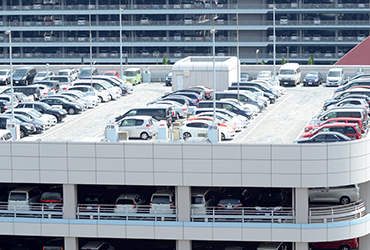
(312, 79)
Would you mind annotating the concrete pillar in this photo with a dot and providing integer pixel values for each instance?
(183, 202)
(300, 246)
(69, 201)
(301, 205)
(183, 245)
(71, 243)
(365, 194)
(364, 241)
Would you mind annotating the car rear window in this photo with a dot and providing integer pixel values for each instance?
(51, 196)
(197, 200)
(18, 196)
(125, 202)
(160, 199)
(229, 201)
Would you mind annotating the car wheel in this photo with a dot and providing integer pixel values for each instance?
(71, 111)
(344, 200)
(144, 136)
(186, 135)
(223, 137)
(22, 133)
(178, 116)
(101, 99)
(345, 247)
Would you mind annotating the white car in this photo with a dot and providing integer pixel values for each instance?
(192, 128)
(137, 126)
(281, 90)
(4, 76)
(224, 118)
(41, 75)
(47, 120)
(101, 85)
(90, 100)
(128, 203)
(264, 75)
(103, 95)
(182, 109)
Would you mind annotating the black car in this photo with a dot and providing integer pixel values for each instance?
(258, 85)
(70, 107)
(40, 126)
(200, 92)
(312, 78)
(255, 90)
(272, 197)
(25, 128)
(160, 113)
(325, 137)
(169, 79)
(44, 108)
(24, 75)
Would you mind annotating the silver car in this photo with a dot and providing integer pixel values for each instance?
(137, 126)
(341, 194)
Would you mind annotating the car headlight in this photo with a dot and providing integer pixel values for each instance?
(60, 112)
(29, 127)
(78, 107)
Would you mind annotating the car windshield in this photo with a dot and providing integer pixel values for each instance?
(3, 73)
(287, 72)
(109, 73)
(264, 74)
(161, 200)
(63, 73)
(311, 74)
(24, 118)
(106, 84)
(85, 72)
(17, 196)
(35, 113)
(55, 196)
(130, 73)
(20, 72)
(334, 73)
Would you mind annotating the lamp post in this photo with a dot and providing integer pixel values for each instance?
(274, 43)
(90, 36)
(237, 50)
(9, 32)
(257, 51)
(213, 32)
(287, 53)
(120, 40)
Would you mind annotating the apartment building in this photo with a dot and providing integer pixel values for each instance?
(67, 31)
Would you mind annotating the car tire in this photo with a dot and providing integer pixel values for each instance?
(344, 200)
(71, 111)
(223, 137)
(345, 247)
(186, 135)
(22, 133)
(144, 136)
(101, 99)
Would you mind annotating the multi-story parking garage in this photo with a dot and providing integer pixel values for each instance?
(104, 171)
(55, 31)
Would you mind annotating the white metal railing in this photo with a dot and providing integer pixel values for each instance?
(244, 214)
(34, 210)
(337, 213)
(113, 212)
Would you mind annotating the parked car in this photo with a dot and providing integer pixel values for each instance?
(129, 203)
(340, 245)
(70, 107)
(51, 201)
(24, 75)
(91, 202)
(137, 126)
(258, 92)
(228, 113)
(162, 202)
(230, 203)
(23, 198)
(54, 244)
(40, 126)
(202, 200)
(349, 129)
(351, 96)
(325, 137)
(271, 200)
(350, 102)
(97, 245)
(181, 109)
(118, 86)
(244, 77)
(233, 107)
(42, 74)
(111, 73)
(337, 120)
(5, 75)
(25, 128)
(91, 101)
(313, 78)
(341, 194)
(207, 91)
(103, 95)
(264, 75)
(169, 79)
(234, 122)
(44, 108)
(192, 128)
(70, 72)
(101, 85)
(47, 120)
(353, 83)
(87, 72)
(3, 106)
(71, 98)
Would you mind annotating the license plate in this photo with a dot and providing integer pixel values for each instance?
(286, 82)
(89, 207)
(51, 207)
(229, 206)
(16, 81)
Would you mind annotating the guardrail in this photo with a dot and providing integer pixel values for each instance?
(34, 210)
(244, 215)
(113, 212)
(337, 213)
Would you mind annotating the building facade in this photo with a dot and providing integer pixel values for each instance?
(184, 168)
(68, 31)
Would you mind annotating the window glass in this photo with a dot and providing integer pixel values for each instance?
(139, 122)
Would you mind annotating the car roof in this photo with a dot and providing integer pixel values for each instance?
(92, 244)
(137, 117)
(127, 196)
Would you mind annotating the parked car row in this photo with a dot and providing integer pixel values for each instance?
(344, 117)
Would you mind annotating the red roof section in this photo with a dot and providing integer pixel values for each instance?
(359, 55)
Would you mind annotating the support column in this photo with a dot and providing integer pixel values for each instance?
(364, 241)
(183, 202)
(301, 205)
(71, 243)
(300, 246)
(184, 245)
(365, 194)
(69, 201)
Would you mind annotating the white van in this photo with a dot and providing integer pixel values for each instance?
(290, 74)
(162, 202)
(335, 77)
(22, 198)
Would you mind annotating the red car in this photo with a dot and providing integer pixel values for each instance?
(336, 120)
(111, 73)
(341, 245)
(351, 130)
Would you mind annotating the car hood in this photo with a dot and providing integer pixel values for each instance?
(311, 78)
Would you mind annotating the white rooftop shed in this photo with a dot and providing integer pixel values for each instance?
(198, 70)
